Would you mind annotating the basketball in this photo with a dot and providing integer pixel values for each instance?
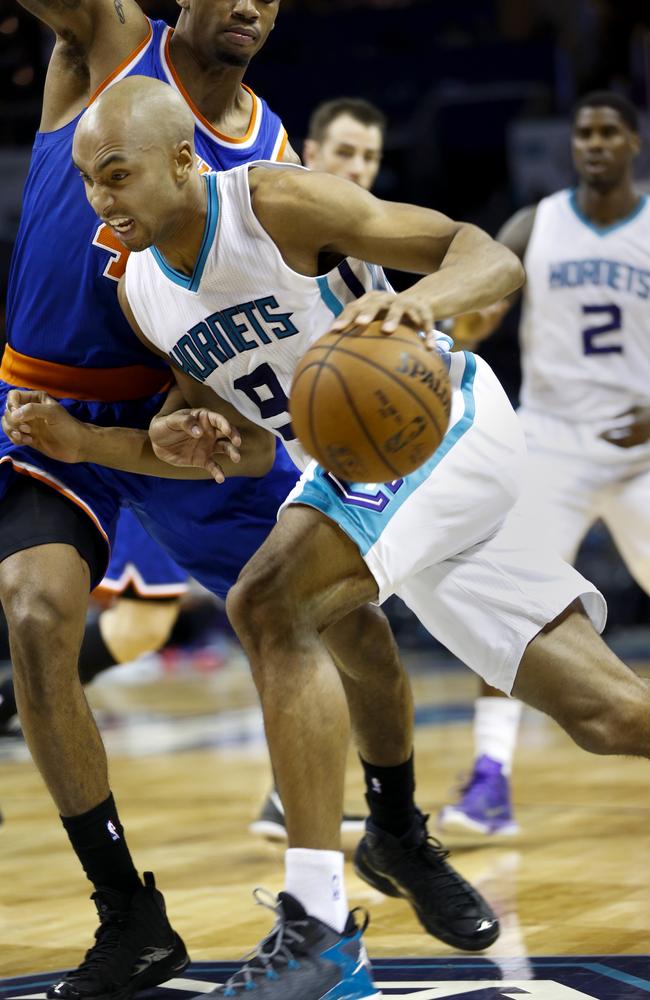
(368, 406)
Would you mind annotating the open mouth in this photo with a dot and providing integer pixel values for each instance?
(122, 225)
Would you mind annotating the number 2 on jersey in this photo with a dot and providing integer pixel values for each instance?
(611, 314)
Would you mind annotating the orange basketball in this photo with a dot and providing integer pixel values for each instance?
(368, 406)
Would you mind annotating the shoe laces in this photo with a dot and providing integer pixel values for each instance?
(274, 949)
(107, 939)
(430, 851)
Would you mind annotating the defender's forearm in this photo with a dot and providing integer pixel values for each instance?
(128, 449)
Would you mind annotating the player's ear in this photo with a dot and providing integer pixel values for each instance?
(184, 161)
(636, 143)
(309, 152)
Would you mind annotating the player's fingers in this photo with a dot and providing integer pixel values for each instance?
(14, 399)
(20, 397)
(225, 447)
(417, 315)
(364, 310)
(18, 437)
(215, 471)
(219, 423)
(184, 421)
(348, 317)
(29, 413)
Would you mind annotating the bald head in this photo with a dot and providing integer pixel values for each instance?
(139, 111)
(134, 148)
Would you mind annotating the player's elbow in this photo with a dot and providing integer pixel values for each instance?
(261, 456)
(513, 270)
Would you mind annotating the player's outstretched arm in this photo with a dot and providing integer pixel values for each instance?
(92, 38)
(79, 23)
(310, 213)
(36, 420)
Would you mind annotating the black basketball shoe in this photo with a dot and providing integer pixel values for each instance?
(415, 868)
(135, 947)
(271, 825)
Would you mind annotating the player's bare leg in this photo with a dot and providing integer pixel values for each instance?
(363, 646)
(46, 623)
(569, 673)
(361, 641)
(308, 580)
(279, 607)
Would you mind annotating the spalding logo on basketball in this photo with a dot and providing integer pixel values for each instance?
(370, 407)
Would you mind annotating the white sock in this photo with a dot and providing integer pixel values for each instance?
(315, 878)
(496, 722)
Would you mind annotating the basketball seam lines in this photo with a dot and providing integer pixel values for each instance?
(357, 416)
(314, 383)
(394, 378)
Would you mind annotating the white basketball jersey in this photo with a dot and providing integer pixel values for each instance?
(585, 331)
(242, 321)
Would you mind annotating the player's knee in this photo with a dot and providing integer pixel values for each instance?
(258, 607)
(44, 643)
(38, 621)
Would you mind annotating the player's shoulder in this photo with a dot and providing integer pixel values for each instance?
(280, 185)
(287, 184)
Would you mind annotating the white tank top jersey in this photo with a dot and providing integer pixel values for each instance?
(585, 330)
(242, 321)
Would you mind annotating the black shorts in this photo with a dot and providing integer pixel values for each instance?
(34, 514)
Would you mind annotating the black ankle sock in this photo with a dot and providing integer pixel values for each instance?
(390, 796)
(7, 700)
(98, 840)
(94, 655)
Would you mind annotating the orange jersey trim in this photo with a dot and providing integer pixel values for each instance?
(195, 110)
(131, 578)
(106, 385)
(283, 147)
(125, 62)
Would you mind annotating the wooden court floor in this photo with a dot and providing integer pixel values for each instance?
(189, 772)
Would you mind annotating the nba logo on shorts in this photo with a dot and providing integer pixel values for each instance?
(110, 826)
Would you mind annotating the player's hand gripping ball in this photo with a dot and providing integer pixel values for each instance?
(370, 407)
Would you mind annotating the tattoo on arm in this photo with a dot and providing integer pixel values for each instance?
(119, 10)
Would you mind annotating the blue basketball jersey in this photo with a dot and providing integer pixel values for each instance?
(63, 316)
(67, 336)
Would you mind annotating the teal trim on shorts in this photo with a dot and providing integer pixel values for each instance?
(364, 510)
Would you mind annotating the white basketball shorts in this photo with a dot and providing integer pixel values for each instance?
(438, 539)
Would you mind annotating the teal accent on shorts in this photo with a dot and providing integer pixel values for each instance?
(364, 526)
(334, 305)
